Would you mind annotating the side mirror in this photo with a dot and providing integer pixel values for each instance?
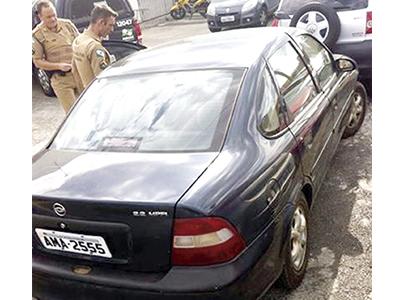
(345, 64)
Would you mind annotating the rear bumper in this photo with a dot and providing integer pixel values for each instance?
(361, 53)
(246, 277)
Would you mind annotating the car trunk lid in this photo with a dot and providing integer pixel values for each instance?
(128, 199)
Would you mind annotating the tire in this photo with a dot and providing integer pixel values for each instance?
(43, 79)
(294, 270)
(304, 19)
(214, 29)
(178, 14)
(357, 111)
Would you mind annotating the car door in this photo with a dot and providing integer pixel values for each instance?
(335, 85)
(309, 110)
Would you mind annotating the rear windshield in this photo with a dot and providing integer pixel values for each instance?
(291, 6)
(163, 112)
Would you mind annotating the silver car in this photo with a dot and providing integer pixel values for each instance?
(345, 26)
(223, 14)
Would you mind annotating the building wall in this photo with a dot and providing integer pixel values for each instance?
(151, 12)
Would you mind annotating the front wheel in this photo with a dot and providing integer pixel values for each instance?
(178, 13)
(357, 111)
(296, 250)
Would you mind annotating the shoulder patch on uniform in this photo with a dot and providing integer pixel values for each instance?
(100, 53)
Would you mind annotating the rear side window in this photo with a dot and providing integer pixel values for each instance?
(273, 120)
(294, 82)
(320, 59)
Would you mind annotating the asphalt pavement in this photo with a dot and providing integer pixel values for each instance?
(340, 265)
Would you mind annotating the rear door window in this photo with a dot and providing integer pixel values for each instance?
(320, 59)
(293, 79)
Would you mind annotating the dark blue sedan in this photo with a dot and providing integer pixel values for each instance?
(188, 171)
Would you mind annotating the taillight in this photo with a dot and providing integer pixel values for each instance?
(138, 30)
(275, 22)
(205, 241)
(368, 27)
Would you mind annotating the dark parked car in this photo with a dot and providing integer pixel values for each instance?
(223, 14)
(78, 11)
(192, 178)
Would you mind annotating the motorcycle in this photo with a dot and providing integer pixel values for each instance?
(181, 7)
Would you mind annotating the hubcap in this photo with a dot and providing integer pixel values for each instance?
(356, 111)
(298, 238)
(315, 23)
(44, 80)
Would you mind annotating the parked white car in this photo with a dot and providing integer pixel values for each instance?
(345, 26)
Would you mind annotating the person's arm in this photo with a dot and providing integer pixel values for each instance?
(40, 61)
(74, 29)
(99, 59)
(50, 66)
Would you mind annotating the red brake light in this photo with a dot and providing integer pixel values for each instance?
(205, 241)
(275, 22)
(138, 30)
(368, 27)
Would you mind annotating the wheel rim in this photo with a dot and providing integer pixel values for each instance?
(263, 18)
(44, 80)
(298, 238)
(356, 111)
(315, 23)
(181, 13)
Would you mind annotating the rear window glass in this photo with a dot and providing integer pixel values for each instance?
(291, 6)
(164, 112)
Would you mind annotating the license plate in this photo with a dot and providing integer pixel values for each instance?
(73, 242)
(227, 19)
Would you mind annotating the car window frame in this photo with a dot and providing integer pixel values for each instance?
(307, 61)
(290, 116)
(267, 69)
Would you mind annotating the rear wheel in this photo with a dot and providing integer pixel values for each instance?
(296, 250)
(357, 111)
(178, 14)
(44, 82)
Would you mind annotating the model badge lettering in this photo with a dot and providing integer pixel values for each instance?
(150, 213)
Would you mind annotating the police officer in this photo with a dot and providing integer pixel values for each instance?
(89, 56)
(52, 51)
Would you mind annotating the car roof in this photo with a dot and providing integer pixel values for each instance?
(239, 48)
